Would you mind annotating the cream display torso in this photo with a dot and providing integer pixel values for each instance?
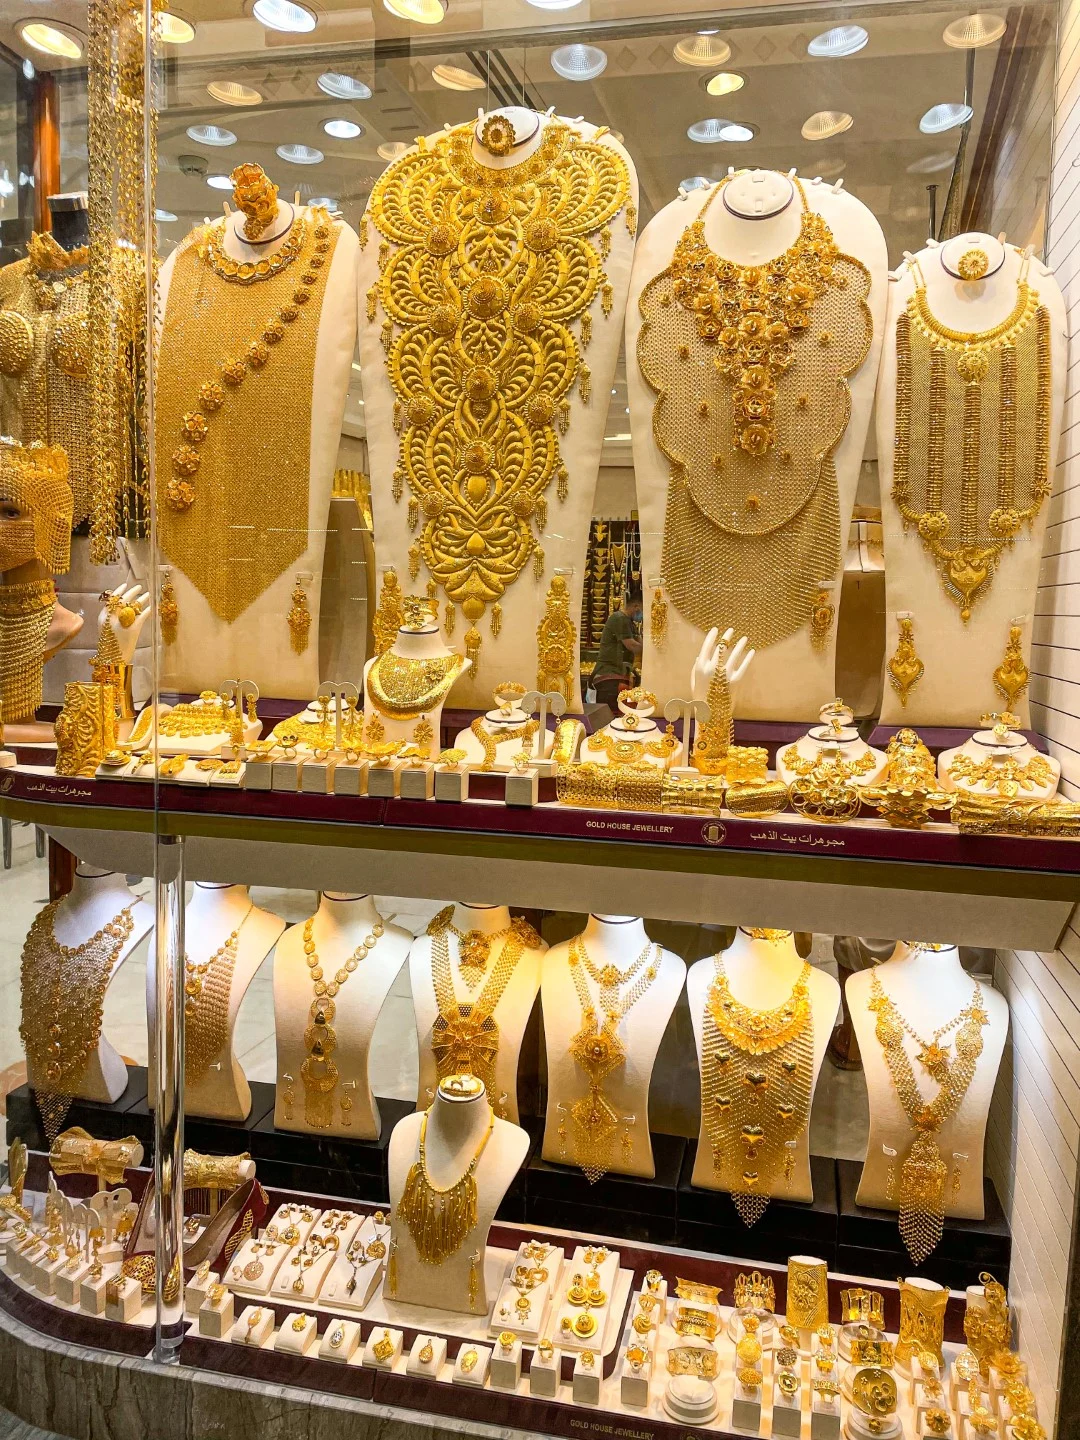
(968, 417)
(406, 688)
(753, 342)
(484, 453)
(999, 763)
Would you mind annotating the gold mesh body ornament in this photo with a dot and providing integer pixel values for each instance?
(971, 465)
(26, 612)
(750, 368)
(37, 477)
(483, 273)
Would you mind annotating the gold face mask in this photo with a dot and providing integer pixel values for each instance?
(34, 480)
(16, 541)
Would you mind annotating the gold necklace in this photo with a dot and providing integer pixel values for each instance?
(599, 1052)
(63, 992)
(465, 1035)
(1001, 774)
(26, 612)
(490, 743)
(207, 989)
(511, 259)
(923, 1172)
(403, 688)
(439, 1217)
(757, 1071)
(972, 457)
(633, 752)
(318, 1071)
(250, 272)
(750, 367)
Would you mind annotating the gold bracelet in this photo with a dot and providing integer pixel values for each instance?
(691, 1321)
(692, 1360)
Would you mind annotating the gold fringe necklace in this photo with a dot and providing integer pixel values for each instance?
(439, 1218)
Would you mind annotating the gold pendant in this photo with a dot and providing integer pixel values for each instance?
(1012, 676)
(904, 667)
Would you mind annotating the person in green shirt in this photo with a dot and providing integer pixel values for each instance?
(619, 646)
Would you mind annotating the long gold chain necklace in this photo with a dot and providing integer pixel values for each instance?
(318, 1071)
(63, 992)
(402, 687)
(207, 990)
(971, 464)
(465, 1035)
(750, 367)
(923, 1172)
(439, 1217)
(598, 1050)
(1001, 774)
(482, 273)
(755, 1088)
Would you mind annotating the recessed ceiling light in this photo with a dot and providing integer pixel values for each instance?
(343, 87)
(391, 149)
(825, 123)
(343, 129)
(422, 12)
(51, 40)
(931, 164)
(299, 154)
(693, 182)
(231, 92)
(840, 41)
(173, 29)
(285, 15)
(219, 182)
(210, 135)
(454, 77)
(579, 62)
(946, 116)
(705, 49)
(554, 4)
(709, 132)
(972, 32)
(164, 217)
(724, 83)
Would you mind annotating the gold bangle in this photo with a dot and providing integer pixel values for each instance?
(689, 1321)
(692, 1360)
(807, 1294)
(696, 1290)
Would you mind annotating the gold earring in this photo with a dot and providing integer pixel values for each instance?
(822, 614)
(168, 610)
(905, 668)
(658, 615)
(299, 618)
(1012, 675)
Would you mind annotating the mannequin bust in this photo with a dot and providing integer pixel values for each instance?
(753, 217)
(96, 897)
(512, 1008)
(214, 912)
(634, 737)
(969, 285)
(546, 527)
(1000, 762)
(762, 968)
(341, 924)
(929, 988)
(459, 1126)
(619, 941)
(235, 604)
(392, 711)
(835, 736)
(493, 740)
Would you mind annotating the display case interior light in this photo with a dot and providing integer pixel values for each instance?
(692, 182)
(706, 49)
(343, 87)
(420, 12)
(164, 217)
(823, 124)
(391, 149)
(51, 40)
(219, 182)
(841, 40)
(579, 62)
(343, 129)
(299, 154)
(725, 82)
(946, 116)
(972, 32)
(210, 135)
(456, 77)
(553, 4)
(712, 131)
(231, 92)
(173, 29)
(285, 15)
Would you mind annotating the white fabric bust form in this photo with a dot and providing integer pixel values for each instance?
(341, 923)
(609, 940)
(957, 685)
(513, 652)
(791, 679)
(985, 745)
(244, 649)
(413, 645)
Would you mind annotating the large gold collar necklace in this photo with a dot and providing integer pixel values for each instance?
(483, 272)
(401, 687)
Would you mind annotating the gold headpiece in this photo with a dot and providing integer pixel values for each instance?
(35, 477)
(256, 195)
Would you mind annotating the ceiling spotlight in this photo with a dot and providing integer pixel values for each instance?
(692, 182)
(210, 135)
(343, 87)
(422, 12)
(709, 132)
(391, 149)
(172, 29)
(836, 43)
(705, 49)
(50, 40)
(972, 32)
(343, 129)
(285, 15)
(553, 4)
(931, 164)
(454, 77)
(579, 62)
(219, 182)
(231, 92)
(946, 116)
(299, 154)
(825, 123)
(726, 82)
(164, 217)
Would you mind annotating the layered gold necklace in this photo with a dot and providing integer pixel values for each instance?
(439, 1217)
(319, 1072)
(465, 1035)
(625, 751)
(1001, 774)
(599, 1051)
(756, 1076)
(207, 990)
(402, 687)
(63, 992)
(750, 364)
(971, 464)
(923, 1171)
(483, 272)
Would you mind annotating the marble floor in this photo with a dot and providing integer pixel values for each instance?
(12, 1428)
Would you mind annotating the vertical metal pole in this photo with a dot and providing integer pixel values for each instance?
(169, 1113)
